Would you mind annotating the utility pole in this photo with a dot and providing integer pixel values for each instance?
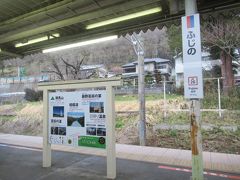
(137, 41)
(195, 114)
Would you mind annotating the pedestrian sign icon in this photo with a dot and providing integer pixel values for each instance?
(193, 81)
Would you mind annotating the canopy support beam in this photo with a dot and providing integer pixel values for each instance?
(9, 53)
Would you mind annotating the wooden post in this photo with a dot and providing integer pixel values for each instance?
(46, 145)
(111, 139)
(196, 140)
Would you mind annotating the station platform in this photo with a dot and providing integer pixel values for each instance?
(161, 157)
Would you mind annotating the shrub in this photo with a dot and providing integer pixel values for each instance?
(179, 90)
(231, 102)
(32, 95)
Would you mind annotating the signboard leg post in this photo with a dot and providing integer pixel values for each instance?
(46, 144)
(111, 140)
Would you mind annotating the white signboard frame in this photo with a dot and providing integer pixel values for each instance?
(49, 121)
(192, 57)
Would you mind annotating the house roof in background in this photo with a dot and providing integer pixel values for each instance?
(147, 60)
(90, 67)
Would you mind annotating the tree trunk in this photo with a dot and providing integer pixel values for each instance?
(227, 72)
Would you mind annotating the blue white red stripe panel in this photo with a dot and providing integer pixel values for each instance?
(190, 21)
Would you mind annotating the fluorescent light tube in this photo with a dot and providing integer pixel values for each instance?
(44, 38)
(124, 18)
(83, 43)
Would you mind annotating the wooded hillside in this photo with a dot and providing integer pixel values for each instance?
(112, 54)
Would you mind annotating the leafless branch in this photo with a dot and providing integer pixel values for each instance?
(58, 71)
(223, 33)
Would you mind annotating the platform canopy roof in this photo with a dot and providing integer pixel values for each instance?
(28, 26)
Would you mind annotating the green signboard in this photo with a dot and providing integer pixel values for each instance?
(22, 71)
(91, 141)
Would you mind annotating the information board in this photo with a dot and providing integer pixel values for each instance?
(193, 82)
(78, 118)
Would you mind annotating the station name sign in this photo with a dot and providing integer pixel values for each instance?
(192, 61)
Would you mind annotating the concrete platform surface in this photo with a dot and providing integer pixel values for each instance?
(132, 160)
(18, 163)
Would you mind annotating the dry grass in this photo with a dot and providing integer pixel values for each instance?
(8, 109)
(151, 105)
(28, 121)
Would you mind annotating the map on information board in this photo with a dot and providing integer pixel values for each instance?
(78, 118)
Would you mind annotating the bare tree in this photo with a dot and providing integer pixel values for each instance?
(56, 70)
(156, 43)
(223, 33)
(69, 68)
(74, 68)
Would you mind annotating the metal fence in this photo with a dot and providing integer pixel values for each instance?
(24, 79)
(14, 92)
(149, 89)
(213, 101)
(212, 88)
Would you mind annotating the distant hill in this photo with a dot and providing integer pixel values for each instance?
(112, 54)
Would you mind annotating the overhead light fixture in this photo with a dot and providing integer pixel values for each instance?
(32, 41)
(124, 18)
(83, 43)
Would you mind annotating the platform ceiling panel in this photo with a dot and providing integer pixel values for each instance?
(66, 21)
